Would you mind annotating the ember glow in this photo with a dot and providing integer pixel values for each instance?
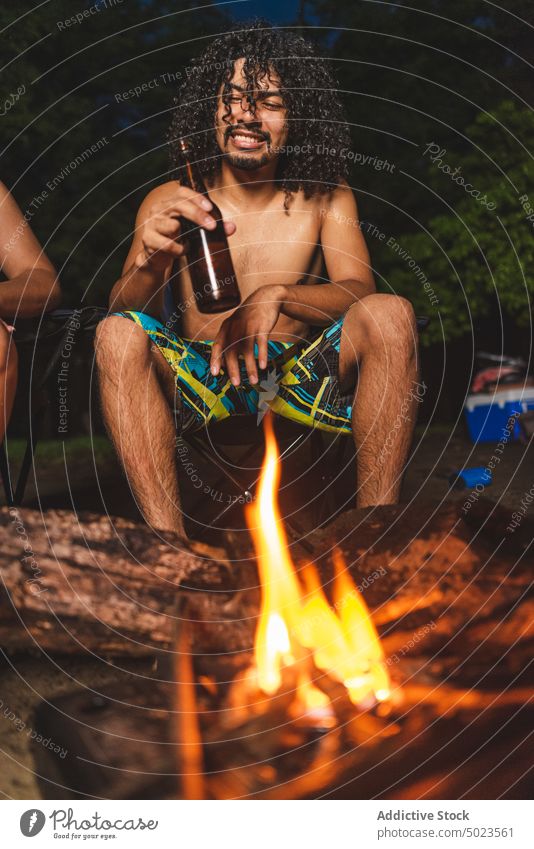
(297, 622)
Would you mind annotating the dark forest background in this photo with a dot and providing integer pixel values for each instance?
(454, 73)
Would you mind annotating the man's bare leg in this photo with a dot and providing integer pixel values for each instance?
(379, 352)
(137, 391)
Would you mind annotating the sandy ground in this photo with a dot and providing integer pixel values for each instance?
(437, 454)
(26, 680)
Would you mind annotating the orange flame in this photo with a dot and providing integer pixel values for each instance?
(342, 639)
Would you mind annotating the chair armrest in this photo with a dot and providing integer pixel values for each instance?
(422, 322)
(55, 322)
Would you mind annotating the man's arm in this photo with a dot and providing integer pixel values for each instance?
(32, 285)
(347, 266)
(142, 283)
(154, 247)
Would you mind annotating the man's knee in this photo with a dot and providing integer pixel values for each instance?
(387, 321)
(119, 339)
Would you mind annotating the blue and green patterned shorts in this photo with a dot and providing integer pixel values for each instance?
(300, 383)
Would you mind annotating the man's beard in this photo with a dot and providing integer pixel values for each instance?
(246, 163)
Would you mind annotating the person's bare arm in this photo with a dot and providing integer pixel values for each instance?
(154, 247)
(348, 268)
(32, 285)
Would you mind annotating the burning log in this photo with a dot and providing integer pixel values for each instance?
(440, 743)
(438, 585)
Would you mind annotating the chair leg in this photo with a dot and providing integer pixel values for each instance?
(225, 474)
(246, 492)
(6, 475)
(324, 504)
(24, 472)
(340, 451)
(35, 424)
(316, 444)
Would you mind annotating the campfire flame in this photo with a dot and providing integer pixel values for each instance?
(298, 622)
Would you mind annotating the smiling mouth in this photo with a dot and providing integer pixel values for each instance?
(246, 141)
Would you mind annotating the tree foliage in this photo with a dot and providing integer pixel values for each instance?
(479, 253)
(413, 74)
(81, 146)
(456, 74)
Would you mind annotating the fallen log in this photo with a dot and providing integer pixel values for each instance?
(434, 536)
(433, 579)
(75, 583)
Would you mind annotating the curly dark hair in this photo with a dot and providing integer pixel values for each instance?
(314, 109)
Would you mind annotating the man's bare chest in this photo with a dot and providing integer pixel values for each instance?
(265, 246)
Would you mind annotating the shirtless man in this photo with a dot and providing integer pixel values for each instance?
(30, 287)
(285, 226)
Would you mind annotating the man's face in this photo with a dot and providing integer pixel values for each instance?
(251, 135)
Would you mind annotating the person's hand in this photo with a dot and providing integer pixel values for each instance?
(250, 323)
(162, 227)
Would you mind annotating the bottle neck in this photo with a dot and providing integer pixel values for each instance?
(191, 175)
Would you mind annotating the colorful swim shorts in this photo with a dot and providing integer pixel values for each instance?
(300, 382)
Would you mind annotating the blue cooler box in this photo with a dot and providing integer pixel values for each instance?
(487, 415)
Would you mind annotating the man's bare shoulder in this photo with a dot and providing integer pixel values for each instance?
(341, 195)
(340, 205)
(321, 203)
(162, 193)
(155, 199)
(314, 205)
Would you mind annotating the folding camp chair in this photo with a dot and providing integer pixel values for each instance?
(51, 331)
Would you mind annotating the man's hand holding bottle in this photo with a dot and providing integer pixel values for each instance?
(162, 232)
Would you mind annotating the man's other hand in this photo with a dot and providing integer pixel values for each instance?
(249, 324)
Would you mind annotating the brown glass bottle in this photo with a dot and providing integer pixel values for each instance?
(208, 256)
